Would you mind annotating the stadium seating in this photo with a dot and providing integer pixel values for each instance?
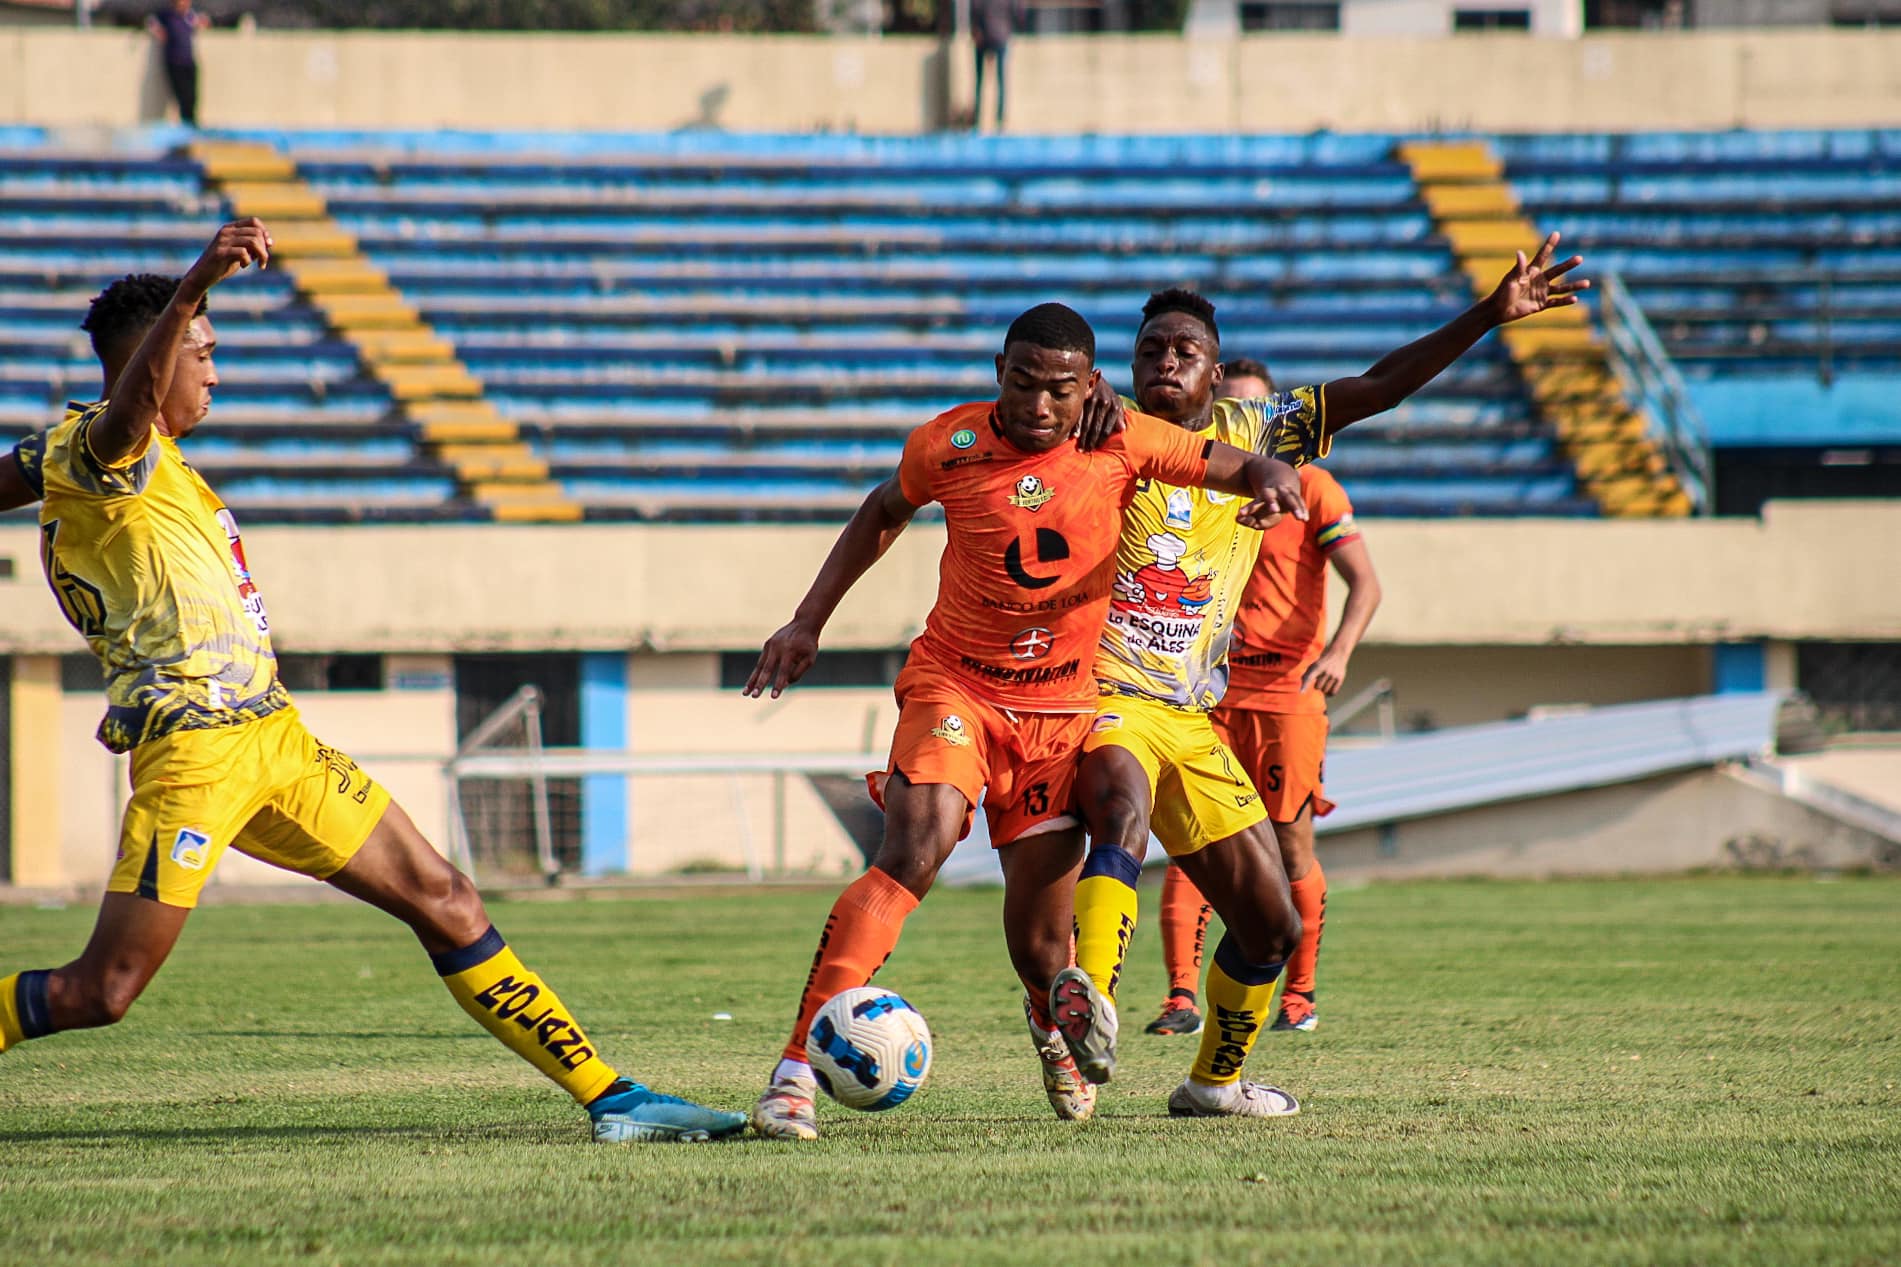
(715, 326)
(750, 328)
(1768, 262)
(301, 434)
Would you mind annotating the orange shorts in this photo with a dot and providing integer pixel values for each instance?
(1284, 753)
(1021, 767)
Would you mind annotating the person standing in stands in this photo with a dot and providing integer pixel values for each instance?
(176, 29)
(992, 23)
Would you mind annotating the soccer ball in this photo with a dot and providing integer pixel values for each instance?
(869, 1049)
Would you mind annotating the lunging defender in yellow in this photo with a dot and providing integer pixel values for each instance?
(147, 564)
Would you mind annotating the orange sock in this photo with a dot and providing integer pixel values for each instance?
(860, 934)
(1184, 931)
(1310, 899)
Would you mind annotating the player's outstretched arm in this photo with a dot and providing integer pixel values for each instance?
(138, 394)
(1273, 485)
(1530, 287)
(790, 651)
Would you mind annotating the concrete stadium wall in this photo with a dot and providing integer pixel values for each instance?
(1482, 620)
(1804, 570)
(1133, 83)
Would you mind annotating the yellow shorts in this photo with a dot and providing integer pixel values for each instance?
(1199, 791)
(266, 788)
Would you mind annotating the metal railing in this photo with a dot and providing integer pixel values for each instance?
(1651, 382)
(1379, 694)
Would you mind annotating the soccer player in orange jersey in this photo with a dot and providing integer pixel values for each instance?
(1282, 669)
(997, 694)
(1153, 759)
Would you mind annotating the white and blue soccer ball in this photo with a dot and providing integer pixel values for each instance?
(869, 1049)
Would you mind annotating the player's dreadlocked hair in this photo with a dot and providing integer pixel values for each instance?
(124, 311)
(1247, 367)
(1179, 299)
(1057, 327)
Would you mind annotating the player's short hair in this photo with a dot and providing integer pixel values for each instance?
(1181, 299)
(1057, 327)
(1247, 367)
(124, 311)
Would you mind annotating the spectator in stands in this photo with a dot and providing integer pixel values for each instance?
(176, 29)
(992, 23)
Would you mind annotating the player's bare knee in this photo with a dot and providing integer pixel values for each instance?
(1271, 938)
(913, 864)
(1116, 818)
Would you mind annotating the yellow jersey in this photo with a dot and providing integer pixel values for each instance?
(147, 565)
(1184, 559)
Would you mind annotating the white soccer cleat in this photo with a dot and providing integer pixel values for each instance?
(787, 1110)
(1235, 1099)
(1070, 1094)
(1087, 1021)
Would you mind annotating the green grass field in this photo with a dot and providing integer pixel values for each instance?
(1693, 1071)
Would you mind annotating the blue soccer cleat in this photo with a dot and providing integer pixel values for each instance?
(628, 1113)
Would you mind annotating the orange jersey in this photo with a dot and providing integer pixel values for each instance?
(1282, 626)
(1024, 584)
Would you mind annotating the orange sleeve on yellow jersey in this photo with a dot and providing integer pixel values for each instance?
(1162, 451)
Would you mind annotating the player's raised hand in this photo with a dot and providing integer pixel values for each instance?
(1536, 284)
(787, 656)
(238, 245)
(1103, 417)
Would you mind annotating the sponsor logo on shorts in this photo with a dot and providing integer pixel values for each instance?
(1032, 493)
(1032, 644)
(952, 731)
(963, 438)
(1107, 722)
(191, 849)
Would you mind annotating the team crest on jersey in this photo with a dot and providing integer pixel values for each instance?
(952, 731)
(1181, 509)
(1032, 644)
(963, 438)
(1031, 493)
(191, 849)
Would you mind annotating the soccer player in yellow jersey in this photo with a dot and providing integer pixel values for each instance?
(146, 563)
(1152, 759)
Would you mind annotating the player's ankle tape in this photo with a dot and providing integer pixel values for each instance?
(476, 953)
(1228, 959)
(29, 1001)
(1113, 861)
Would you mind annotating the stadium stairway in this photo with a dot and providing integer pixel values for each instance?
(493, 466)
(1560, 354)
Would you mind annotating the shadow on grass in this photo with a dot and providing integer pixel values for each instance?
(520, 1132)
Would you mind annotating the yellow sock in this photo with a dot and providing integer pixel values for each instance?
(23, 1008)
(1105, 915)
(1240, 1005)
(520, 1009)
